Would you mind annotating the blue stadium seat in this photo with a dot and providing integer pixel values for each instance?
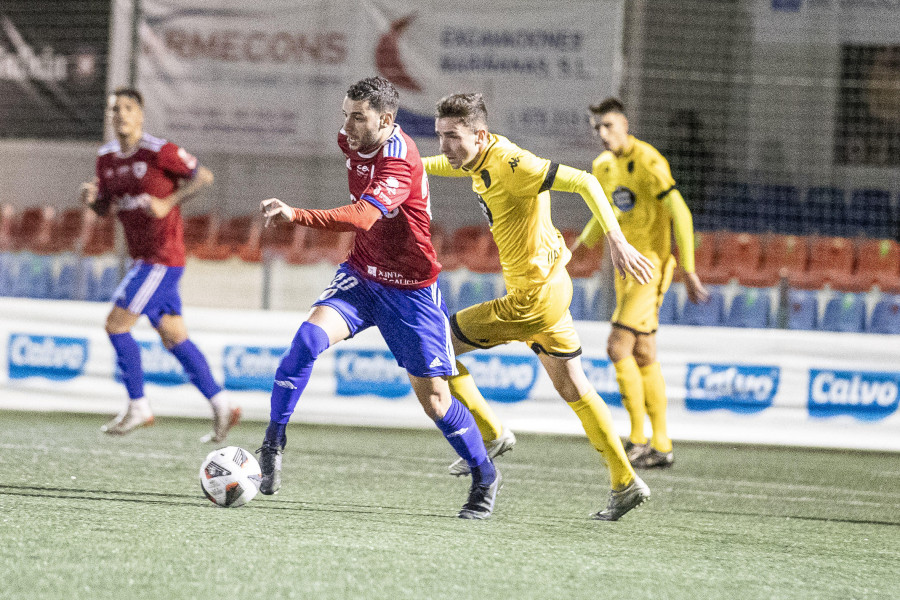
(447, 294)
(776, 208)
(886, 315)
(7, 275)
(845, 312)
(803, 309)
(871, 214)
(668, 311)
(707, 314)
(582, 300)
(105, 285)
(475, 290)
(34, 276)
(825, 212)
(64, 284)
(749, 308)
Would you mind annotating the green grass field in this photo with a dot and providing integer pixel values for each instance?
(370, 513)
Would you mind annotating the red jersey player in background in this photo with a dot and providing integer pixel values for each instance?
(144, 180)
(389, 281)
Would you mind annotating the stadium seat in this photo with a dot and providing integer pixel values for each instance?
(871, 214)
(705, 243)
(668, 310)
(104, 286)
(101, 237)
(447, 254)
(199, 230)
(740, 255)
(320, 245)
(7, 274)
(477, 249)
(779, 209)
(783, 255)
(878, 263)
(886, 315)
(825, 212)
(229, 238)
(582, 299)
(706, 314)
(70, 229)
(830, 258)
(845, 312)
(803, 309)
(32, 230)
(585, 261)
(271, 242)
(448, 294)
(749, 308)
(33, 276)
(475, 290)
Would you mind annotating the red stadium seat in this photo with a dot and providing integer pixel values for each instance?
(477, 249)
(101, 236)
(33, 229)
(705, 243)
(447, 253)
(830, 258)
(70, 230)
(229, 238)
(199, 230)
(321, 245)
(739, 254)
(878, 264)
(585, 261)
(270, 241)
(7, 216)
(783, 256)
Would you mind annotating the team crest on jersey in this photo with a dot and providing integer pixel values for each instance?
(623, 198)
(139, 169)
(109, 173)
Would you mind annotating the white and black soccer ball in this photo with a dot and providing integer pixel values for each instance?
(230, 476)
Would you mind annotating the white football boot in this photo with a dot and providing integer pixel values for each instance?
(136, 414)
(224, 418)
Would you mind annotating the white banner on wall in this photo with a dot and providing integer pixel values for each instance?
(724, 385)
(268, 77)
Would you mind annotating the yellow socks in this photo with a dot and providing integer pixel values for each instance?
(463, 388)
(598, 426)
(655, 398)
(629, 378)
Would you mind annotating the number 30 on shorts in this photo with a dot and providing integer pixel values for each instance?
(342, 282)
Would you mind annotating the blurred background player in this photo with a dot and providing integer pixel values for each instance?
(144, 180)
(513, 186)
(649, 207)
(389, 281)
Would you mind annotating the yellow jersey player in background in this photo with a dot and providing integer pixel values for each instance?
(649, 208)
(513, 185)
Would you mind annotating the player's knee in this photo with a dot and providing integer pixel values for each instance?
(310, 341)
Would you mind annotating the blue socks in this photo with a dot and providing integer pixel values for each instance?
(459, 427)
(128, 359)
(292, 376)
(196, 367)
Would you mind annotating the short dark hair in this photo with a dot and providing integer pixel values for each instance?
(129, 93)
(469, 108)
(607, 106)
(379, 92)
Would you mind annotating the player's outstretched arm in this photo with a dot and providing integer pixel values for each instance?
(683, 226)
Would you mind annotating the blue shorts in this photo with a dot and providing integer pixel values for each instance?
(414, 323)
(151, 290)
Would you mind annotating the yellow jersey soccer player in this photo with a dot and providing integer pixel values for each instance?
(649, 207)
(514, 185)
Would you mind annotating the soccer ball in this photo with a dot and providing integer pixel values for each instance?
(230, 477)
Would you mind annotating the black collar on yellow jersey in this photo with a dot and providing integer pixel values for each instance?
(484, 154)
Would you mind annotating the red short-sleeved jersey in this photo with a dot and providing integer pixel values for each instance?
(126, 180)
(397, 250)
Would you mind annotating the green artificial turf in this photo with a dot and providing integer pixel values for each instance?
(370, 513)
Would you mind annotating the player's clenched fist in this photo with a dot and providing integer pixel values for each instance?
(275, 210)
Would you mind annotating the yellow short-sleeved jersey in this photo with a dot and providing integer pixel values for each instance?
(636, 183)
(513, 186)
